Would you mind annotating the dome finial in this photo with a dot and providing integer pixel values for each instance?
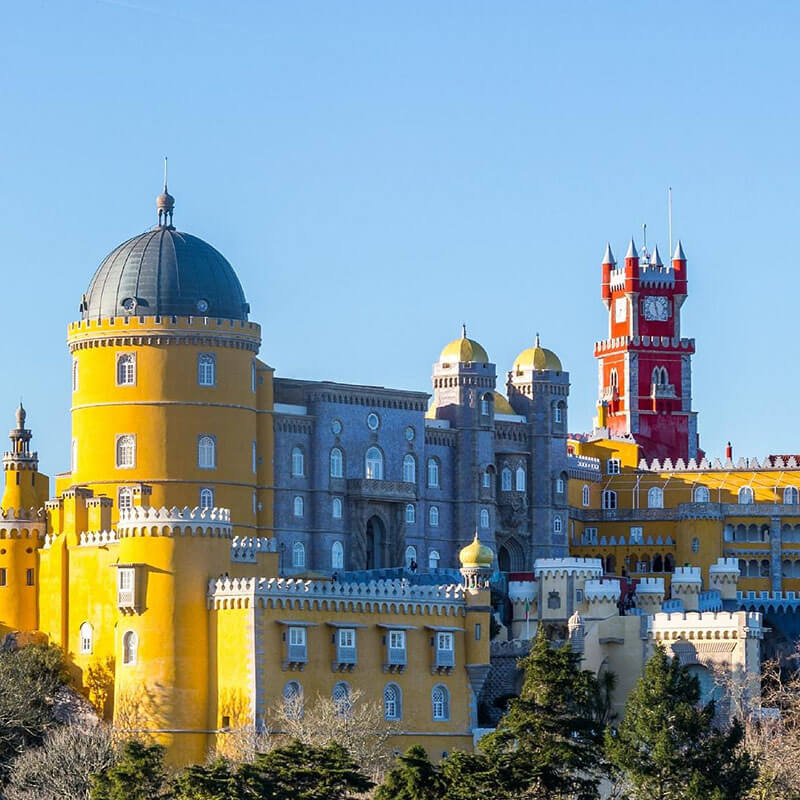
(463, 330)
(165, 203)
(537, 340)
(21, 414)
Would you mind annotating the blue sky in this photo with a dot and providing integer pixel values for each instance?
(378, 173)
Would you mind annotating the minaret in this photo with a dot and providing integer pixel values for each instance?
(26, 488)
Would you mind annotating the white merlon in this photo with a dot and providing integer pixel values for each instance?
(98, 538)
(608, 258)
(650, 586)
(597, 591)
(26, 514)
(686, 575)
(151, 514)
(706, 625)
(247, 548)
(631, 250)
(724, 565)
(522, 591)
(557, 566)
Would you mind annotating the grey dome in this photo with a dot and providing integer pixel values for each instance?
(168, 273)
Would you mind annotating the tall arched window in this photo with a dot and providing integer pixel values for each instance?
(609, 499)
(337, 463)
(411, 554)
(411, 514)
(433, 559)
(293, 700)
(557, 525)
(206, 452)
(373, 464)
(126, 451)
(87, 638)
(586, 495)
(336, 508)
(745, 496)
(130, 647)
(701, 494)
(206, 497)
(520, 482)
(298, 555)
(298, 463)
(433, 472)
(206, 369)
(505, 479)
(409, 468)
(74, 374)
(433, 516)
(440, 703)
(392, 704)
(790, 496)
(613, 378)
(126, 369)
(124, 497)
(484, 518)
(337, 556)
(342, 699)
(486, 405)
(655, 497)
(298, 506)
(253, 375)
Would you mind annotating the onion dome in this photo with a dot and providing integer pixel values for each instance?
(464, 350)
(501, 405)
(165, 272)
(537, 358)
(476, 555)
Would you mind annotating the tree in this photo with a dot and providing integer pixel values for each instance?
(215, 781)
(549, 744)
(667, 746)
(138, 774)
(62, 767)
(469, 776)
(413, 778)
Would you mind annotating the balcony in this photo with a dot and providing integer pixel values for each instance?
(387, 491)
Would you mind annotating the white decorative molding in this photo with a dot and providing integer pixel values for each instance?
(247, 548)
(149, 521)
(98, 538)
(555, 567)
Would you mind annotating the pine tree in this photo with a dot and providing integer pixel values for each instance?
(469, 776)
(549, 744)
(667, 747)
(139, 774)
(414, 778)
(215, 781)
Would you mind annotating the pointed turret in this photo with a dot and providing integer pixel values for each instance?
(679, 255)
(25, 487)
(631, 251)
(655, 258)
(608, 258)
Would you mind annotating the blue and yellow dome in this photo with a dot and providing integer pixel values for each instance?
(464, 350)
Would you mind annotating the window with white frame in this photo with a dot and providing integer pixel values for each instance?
(505, 479)
(254, 456)
(391, 701)
(206, 497)
(293, 700)
(397, 647)
(124, 497)
(433, 516)
(586, 495)
(433, 472)
(336, 508)
(433, 559)
(411, 555)
(373, 464)
(130, 648)
(557, 413)
(206, 369)
(589, 536)
(636, 535)
(701, 494)
(445, 649)
(559, 486)
(520, 479)
(298, 555)
(86, 638)
(342, 699)
(73, 462)
(126, 369)
(126, 451)
(298, 463)
(74, 374)
(440, 703)
(485, 406)
(337, 463)
(254, 500)
(298, 506)
(126, 587)
(655, 497)
(557, 525)
(484, 518)
(206, 452)
(411, 514)
(745, 496)
(609, 499)
(409, 468)
(613, 466)
(253, 375)
(486, 479)
(337, 556)
(790, 496)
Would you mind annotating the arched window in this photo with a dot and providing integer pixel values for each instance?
(298, 506)
(745, 496)
(206, 452)
(433, 559)
(609, 499)
(125, 497)
(392, 704)
(253, 375)
(658, 563)
(440, 703)
(206, 497)
(790, 496)
(695, 545)
(613, 378)
(586, 495)
(764, 569)
(373, 464)
(298, 463)
(293, 700)
(505, 479)
(557, 525)
(342, 699)
(130, 648)
(655, 497)
(560, 486)
(484, 518)
(433, 472)
(74, 374)
(337, 556)
(557, 413)
(486, 479)
(612, 466)
(126, 369)
(520, 482)
(411, 554)
(126, 451)
(701, 494)
(486, 405)
(298, 555)
(337, 463)
(86, 637)
(411, 514)
(669, 563)
(206, 369)
(433, 516)
(409, 468)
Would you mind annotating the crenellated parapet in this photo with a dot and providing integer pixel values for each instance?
(709, 625)
(650, 594)
(247, 548)
(148, 521)
(98, 538)
(562, 567)
(22, 514)
(393, 596)
(602, 592)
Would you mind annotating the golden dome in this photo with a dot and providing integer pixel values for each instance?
(464, 350)
(476, 555)
(538, 358)
(501, 405)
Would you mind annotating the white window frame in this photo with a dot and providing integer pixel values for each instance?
(206, 369)
(392, 702)
(127, 361)
(484, 518)
(440, 706)
(347, 638)
(586, 495)
(486, 479)
(336, 460)
(745, 496)
(337, 555)
(337, 508)
(411, 514)
(254, 456)
(433, 473)
(86, 638)
(609, 499)
(121, 440)
(298, 506)
(205, 491)
(433, 559)
(130, 648)
(203, 449)
(613, 466)
(298, 555)
(409, 468)
(557, 413)
(486, 408)
(126, 492)
(558, 525)
(636, 535)
(297, 636)
(75, 369)
(701, 492)
(433, 516)
(74, 456)
(790, 496)
(253, 375)
(411, 555)
(655, 497)
(559, 486)
(298, 462)
(520, 479)
(373, 464)
(506, 479)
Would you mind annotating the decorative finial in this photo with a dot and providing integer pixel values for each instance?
(21, 414)
(165, 203)
(463, 330)
(537, 339)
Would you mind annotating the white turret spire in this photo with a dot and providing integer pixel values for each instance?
(608, 258)
(655, 258)
(679, 255)
(631, 250)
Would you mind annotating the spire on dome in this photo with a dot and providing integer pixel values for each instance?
(655, 258)
(463, 330)
(679, 255)
(537, 340)
(631, 250)
(165, 203)
(608, 258)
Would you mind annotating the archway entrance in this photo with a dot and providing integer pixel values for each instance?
(376, 543)
(503, 560)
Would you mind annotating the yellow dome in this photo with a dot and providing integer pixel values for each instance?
(538, 358)
(464, 350)
(476, 555)
(501, 405)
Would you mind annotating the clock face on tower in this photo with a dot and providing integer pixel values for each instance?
(656, 309)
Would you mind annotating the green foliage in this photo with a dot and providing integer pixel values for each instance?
(468, 776)
(414, 778)
(139, 774)
(667, 747)
(549, 744)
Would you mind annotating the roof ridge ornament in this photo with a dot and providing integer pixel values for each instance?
(165, 204)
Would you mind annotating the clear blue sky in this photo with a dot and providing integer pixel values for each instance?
(379, 172)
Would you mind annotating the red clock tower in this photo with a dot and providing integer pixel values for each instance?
(645, 367)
